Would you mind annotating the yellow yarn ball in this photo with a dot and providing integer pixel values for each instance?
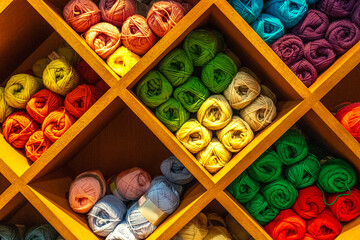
(39, 66)
(69, 54)
(236, 230)
(5, 109)
(20, 88)
(236, 135)
(194, 136)
(214, 156)
(217, 228)
(215, 113)
(196, 229)
(122, 60)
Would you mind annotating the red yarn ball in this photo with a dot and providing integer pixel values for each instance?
(117, 11)
(349, 117)
(324, 227)
(309, 203)
(102, 85)
(87, 73)
(308, 237)
(346, 208)
(36, 145)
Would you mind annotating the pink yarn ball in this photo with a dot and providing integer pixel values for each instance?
(117, 11)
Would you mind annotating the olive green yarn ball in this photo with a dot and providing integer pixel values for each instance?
(39, 66)
(280, 194)
(176, 67)
(60, 77)
(154, 89)
(267, 167)
(69, 54)
(20, 88)
(243, 188)
(172, 114)
(192, 94)
(5, 109)
(261, 210)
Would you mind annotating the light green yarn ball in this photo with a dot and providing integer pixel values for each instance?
(5, 109)
(39, 66)
(69, 54)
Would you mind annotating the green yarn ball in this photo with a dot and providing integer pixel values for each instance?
(280, 194)
(60, 77)
(176, 67)
(154, 89)
(20, 88)
(39, 66)
(5, 109)
(336, 175)
(304, 173)
(292, 147)
(243, 188)
(218, 73)
(192, 94)
(261, 210)
(267, 167)
(172, 114)
(69, 54)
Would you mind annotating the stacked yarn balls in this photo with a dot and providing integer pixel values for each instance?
(117, 31)
(293, 194)
(37, 109)
(41, 232)
(129, 205)
(198, 89)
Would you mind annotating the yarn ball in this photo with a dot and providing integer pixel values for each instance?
(268, 27)
(310, 202)
(36, 145)
(345, 208)
(20, 88)
(18, 128)
(336, 8)
(348, 116)
(130, 184)
(320, 54)
(236, 230)
(43, 103)
(214, 157)
(249, 10)
(164, 15)
(5, 109)
(117, 11)
(325, 226)
(267, 167)
(102, 85)
(175, 171)
(136, 35)
(244, 188)
(103, 38)
(172, 114)
(236, 135)
(81, 14)
(194, 136)
(260, 209)
(9, 232)
(121, 232)
(336, 175)
(355, 14)
(233, 57)
(292, 147)
(290, 12)
(87, 73)
(87, 188)
(154, 89)
(217, 228)
(197, 228)
(176, 67)
(192, 94)
(106, 214)
(42, 232)
(66, 52)
(215, 113)
(39, 66)
(313, 26)
(122, 60)
(287, 225)
(290, 48)
(280, 193)
(259, 113)
(59, 77)
(342, 35)
(268, 93)
(57, 123)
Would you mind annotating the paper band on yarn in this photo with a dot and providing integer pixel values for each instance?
(93, 175)
(150, 211)
(53, 56)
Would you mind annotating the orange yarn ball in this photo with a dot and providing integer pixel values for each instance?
(42, 103)
(36, 145)
(102, 85)
(87, 73)
(103, 38)
(164, 15)
(117, 11)
(349, 117)
(18, 127)
(57, 123)
(81, 14)
(136, 35)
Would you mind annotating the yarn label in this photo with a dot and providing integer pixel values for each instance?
(53, 56)
(150, 211)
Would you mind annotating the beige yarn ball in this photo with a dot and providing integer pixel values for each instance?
(215, 113)
(236, 135)
(5, 109)
(196, 229)
(194, 136)
(217, 228)
(236, 230)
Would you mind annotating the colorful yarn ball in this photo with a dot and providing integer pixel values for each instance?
(320, 54)
(117, 11)
(267, 167)
(9, 232)
(197, 228)
(122, 231)
(57, 123)
(87, 188)
(305, 71)
(336, 8)
(136, 35)
(172, 114)
(260, 209)
(42, 232)
(310, 202)
(290, 48)
(348, 116)
(217, 228)
(18, 128)
(280, 193)
(325, 226)
(5, 109)
(87, 73)
(102, 85)
(244, 188)
(122, 60)
(345, 208)
(355, 14)
(39, 66)
(103, 38)
(81, 14)
(249, 10)
(59, 77)
(175, 171)
(268, 27)
(164, 15)
(66, 52)
(236, 230)
(20, 88)
(313, 26)
(36, 145)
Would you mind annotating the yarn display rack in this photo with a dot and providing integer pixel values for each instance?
(119, 132)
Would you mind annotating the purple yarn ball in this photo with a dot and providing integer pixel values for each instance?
(313, 26)
(355, 14)
(336, 8)
(305, 71)
(320, 54)
(290, 48)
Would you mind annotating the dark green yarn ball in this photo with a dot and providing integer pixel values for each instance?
(261, 210)
(243, 188)
(267, 167)
(280, 194)
(172, 114)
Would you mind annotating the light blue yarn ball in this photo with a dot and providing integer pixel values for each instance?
(268, 27)
(175, 171)
(106, 214)
(121, 232)
(289, 12)
(9, 232)
(42, 232)
(249, 10)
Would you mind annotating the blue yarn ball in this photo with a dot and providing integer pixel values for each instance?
(175, 171)
(309, 2)
(42, 232)
(289, 12)
(249, 10)
(121, 232)
(106, 214)
(268, 27)
(9, 232)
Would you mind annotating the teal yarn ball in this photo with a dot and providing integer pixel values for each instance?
(42, 232)
(267, 167)
(249, 10)
(218, 73)
(243, 188)
(9, 232)
(172, 114)
(192, 94)
(176, 67)
(280, 194)
(268, 27)
(261, 210)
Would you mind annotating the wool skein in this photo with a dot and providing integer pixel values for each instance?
(267, 167)
(260, 209)
(172, 114)
(249, 10)
(336, 8)
(117, 11)
(39, 66)
(310, 202)
(87, 73)
(290, 48)
(42, 232)
(197, 228)
(244, 188)
(121, 232)
(36, 145)
(57, 123)
(236, 230)
(313, 26)
(345, 208)
(122, 60)
(5, 109)
(355, 14)
(175, 171)
(348, 117)
(9, 232)
(66, 52)
(324, 226)
(280, 193)
(320, 54)
(268, 27)
(217, 228)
